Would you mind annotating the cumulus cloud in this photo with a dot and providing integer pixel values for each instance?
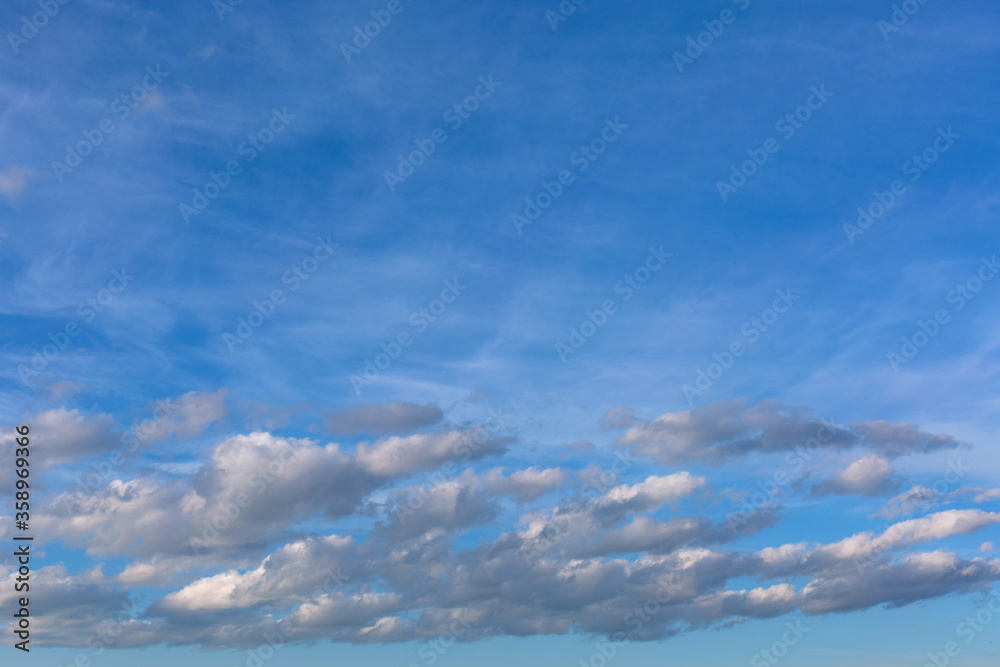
(294, 572)
(232, 543)
(251, 487)
(74, 609)
(254, 486)
(449, 507)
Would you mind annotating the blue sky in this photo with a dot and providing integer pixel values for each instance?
(229, 275)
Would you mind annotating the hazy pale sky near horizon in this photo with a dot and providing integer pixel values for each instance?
(408, 334)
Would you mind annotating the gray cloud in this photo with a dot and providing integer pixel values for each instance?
(67, 435)
(719, 432)
(494, 549)
(398, 418)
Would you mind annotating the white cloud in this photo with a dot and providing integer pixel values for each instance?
(651, 493)
(526, 484)
(396, 456)
(870, 476)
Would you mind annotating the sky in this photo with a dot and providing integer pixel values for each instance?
(584, 333)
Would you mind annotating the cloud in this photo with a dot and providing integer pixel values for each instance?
(67, 435)
(186, 415)
(156, 572)
(252, 487)
(918, 577)
(921, 497)
(906, 502)
(284, 479)
(717, 433)
(987, 496)
(70, 435)
(618, 418)
(63, 389)
(651, 493)
(865, 550)
(292, 573)
(75, 608)
(399, 418)
(396, 456)
(899, 439)
(526, 484)
(231, 542)
(870, 476)
(450, 507)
